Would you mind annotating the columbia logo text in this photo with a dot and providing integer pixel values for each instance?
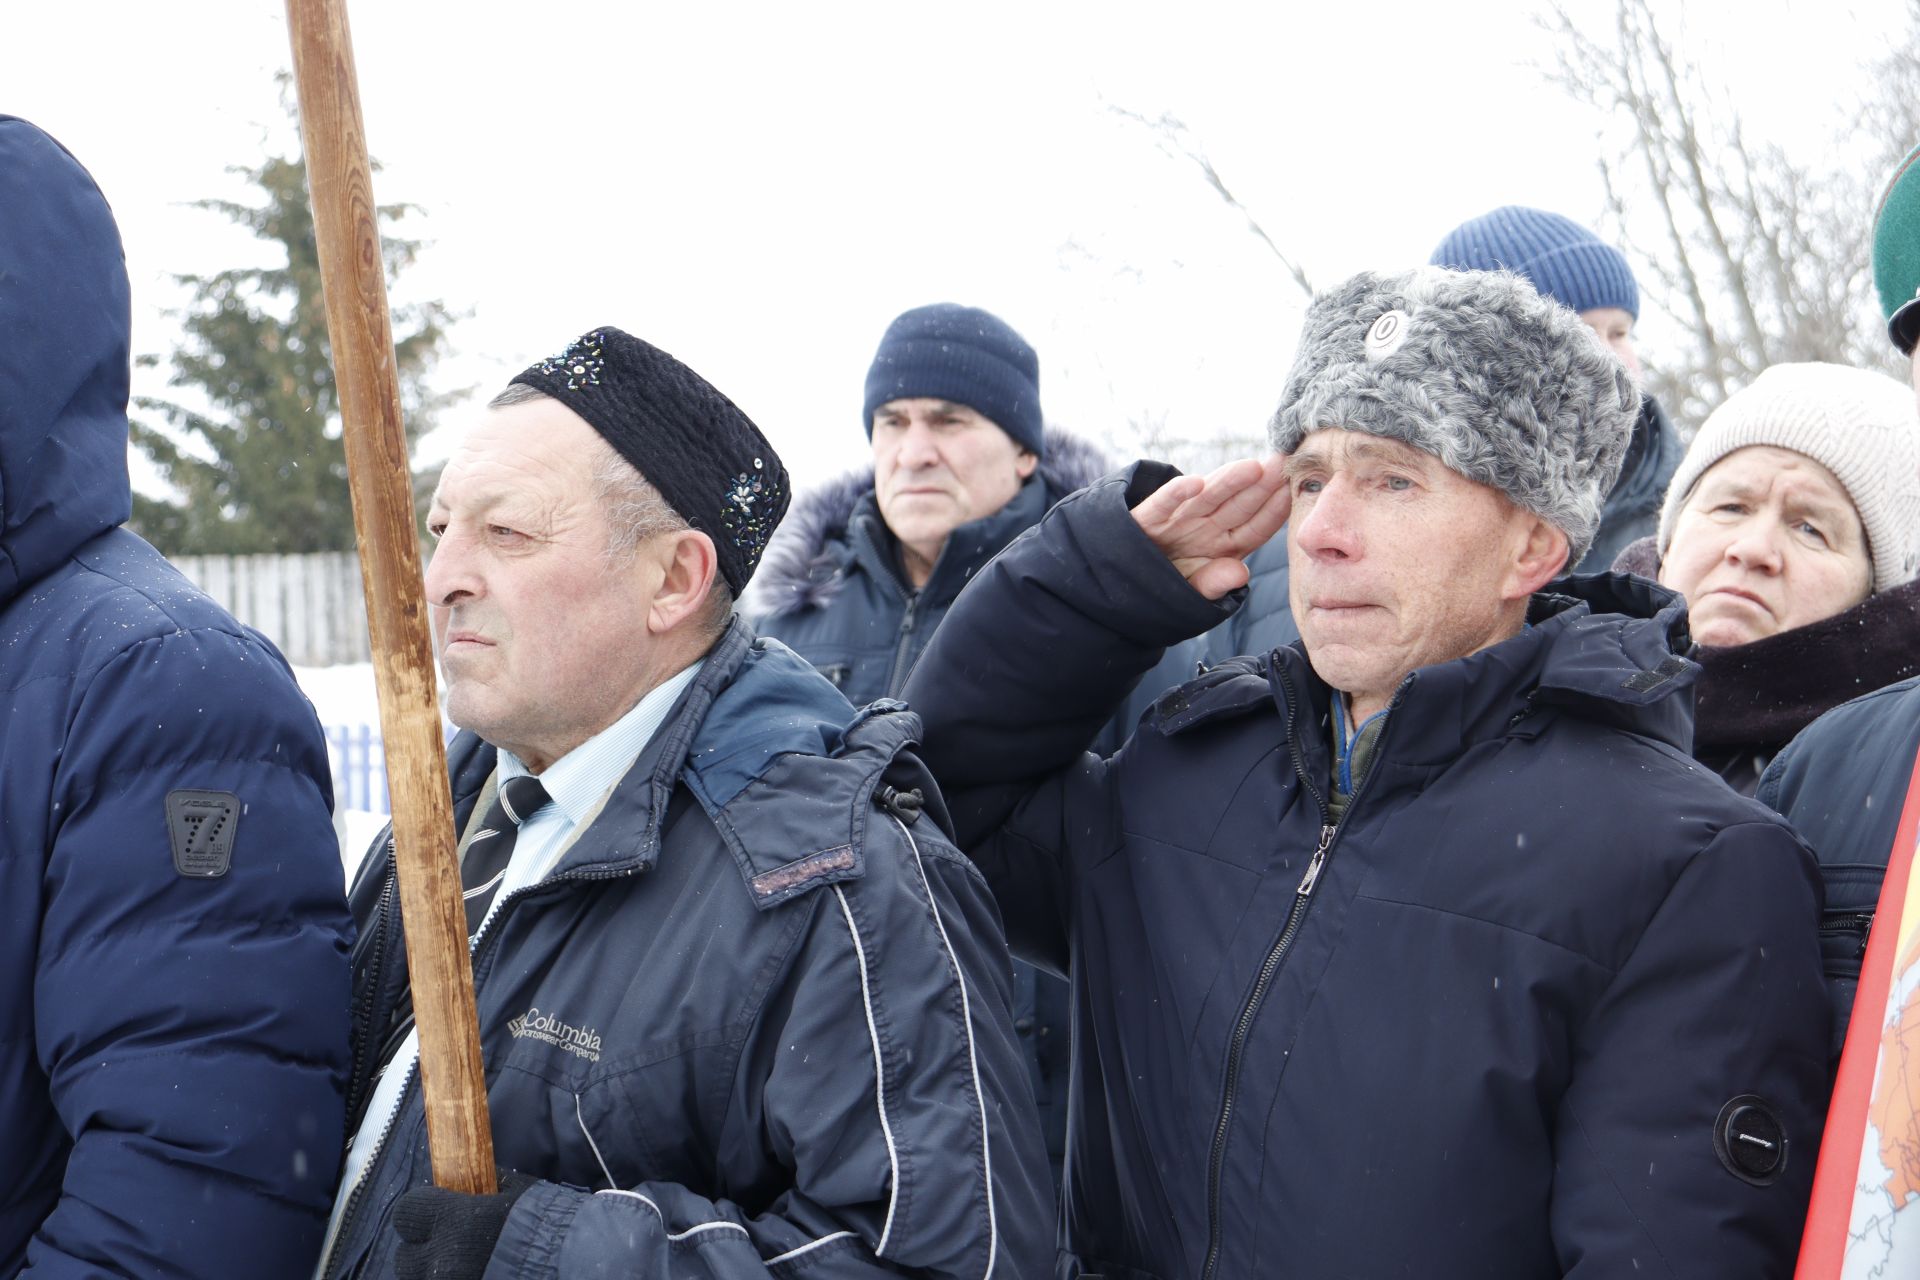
(547, 1027)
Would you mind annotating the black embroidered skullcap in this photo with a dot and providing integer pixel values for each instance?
(693, 444)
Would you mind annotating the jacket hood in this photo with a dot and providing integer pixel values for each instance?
(797, 571)
(1640, 557)
(65, 323)
(1651, 458)
(1613, 649)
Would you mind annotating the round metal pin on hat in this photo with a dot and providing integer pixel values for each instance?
(1386, 335)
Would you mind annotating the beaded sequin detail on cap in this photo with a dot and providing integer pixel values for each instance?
(580, 364)
(750, 514)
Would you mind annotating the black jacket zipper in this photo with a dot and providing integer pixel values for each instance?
(1849, 924)
(1329, 832)
(898, 676)
(909, 595)
(382, 944)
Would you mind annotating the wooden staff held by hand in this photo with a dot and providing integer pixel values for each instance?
(345, 220)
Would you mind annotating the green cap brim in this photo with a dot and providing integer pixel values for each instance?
(1896, 238)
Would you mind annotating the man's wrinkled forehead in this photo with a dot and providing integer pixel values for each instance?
(539, 450)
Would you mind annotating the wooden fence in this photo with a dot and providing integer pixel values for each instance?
(311, 606)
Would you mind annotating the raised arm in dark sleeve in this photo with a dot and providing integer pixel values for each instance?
(1030, 663)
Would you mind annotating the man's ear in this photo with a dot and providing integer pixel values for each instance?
(1024, 464)
(688, 566)
(1539, 556)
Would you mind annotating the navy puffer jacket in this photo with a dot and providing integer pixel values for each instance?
(174, 1045)
(1546, 1002)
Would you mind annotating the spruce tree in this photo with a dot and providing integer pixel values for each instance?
(254, 449)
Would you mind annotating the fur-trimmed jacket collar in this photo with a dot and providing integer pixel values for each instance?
(799, 568)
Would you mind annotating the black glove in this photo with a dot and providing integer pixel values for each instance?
(449, 1235)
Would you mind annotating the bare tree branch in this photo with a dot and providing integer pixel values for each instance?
(1758, 255)
(1175, 139)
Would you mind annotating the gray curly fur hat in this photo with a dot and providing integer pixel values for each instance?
(1500, 384)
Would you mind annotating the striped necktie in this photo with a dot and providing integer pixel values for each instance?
(491, 848)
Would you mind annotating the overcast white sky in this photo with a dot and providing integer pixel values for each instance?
(760, 189)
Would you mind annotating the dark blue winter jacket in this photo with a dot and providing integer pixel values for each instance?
(1632, 511)
(1842, 783)
(754, 1024)
(1501, 1020)
(173, 931)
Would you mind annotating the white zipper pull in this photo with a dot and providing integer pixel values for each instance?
(1319, 860)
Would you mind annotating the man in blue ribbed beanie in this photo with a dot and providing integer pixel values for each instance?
(1576, 268)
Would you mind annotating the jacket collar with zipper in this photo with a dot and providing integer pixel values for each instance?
(970, 546)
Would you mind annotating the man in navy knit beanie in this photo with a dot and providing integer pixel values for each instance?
(953, 410)
(863, 571)
(1576, 268)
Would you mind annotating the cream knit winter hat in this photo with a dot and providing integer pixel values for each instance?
(1862, 426)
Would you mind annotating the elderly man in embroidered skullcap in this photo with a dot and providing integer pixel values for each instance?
(1419, 946)
(742, 1005)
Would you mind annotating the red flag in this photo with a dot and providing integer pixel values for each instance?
(1864, 1220)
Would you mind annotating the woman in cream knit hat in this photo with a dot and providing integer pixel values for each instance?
(1792, 527)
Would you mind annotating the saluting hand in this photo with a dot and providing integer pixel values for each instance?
(1208, 525)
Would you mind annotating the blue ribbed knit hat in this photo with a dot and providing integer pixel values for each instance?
(1563, 259)
(963, 354)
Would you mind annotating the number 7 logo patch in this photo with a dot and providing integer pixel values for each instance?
(201, 826)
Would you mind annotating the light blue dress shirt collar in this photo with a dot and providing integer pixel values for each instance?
(577, 780)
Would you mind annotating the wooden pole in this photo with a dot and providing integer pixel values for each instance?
(345, 222)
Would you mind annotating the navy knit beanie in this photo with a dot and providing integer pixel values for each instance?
(965, 355)
(1562, 259)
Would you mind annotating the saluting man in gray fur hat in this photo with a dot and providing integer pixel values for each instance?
(1417, 947)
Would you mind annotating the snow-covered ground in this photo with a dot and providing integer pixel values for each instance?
(349, 711)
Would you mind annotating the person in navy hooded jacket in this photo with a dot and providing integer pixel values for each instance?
(1420, 946)
(173, 957)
